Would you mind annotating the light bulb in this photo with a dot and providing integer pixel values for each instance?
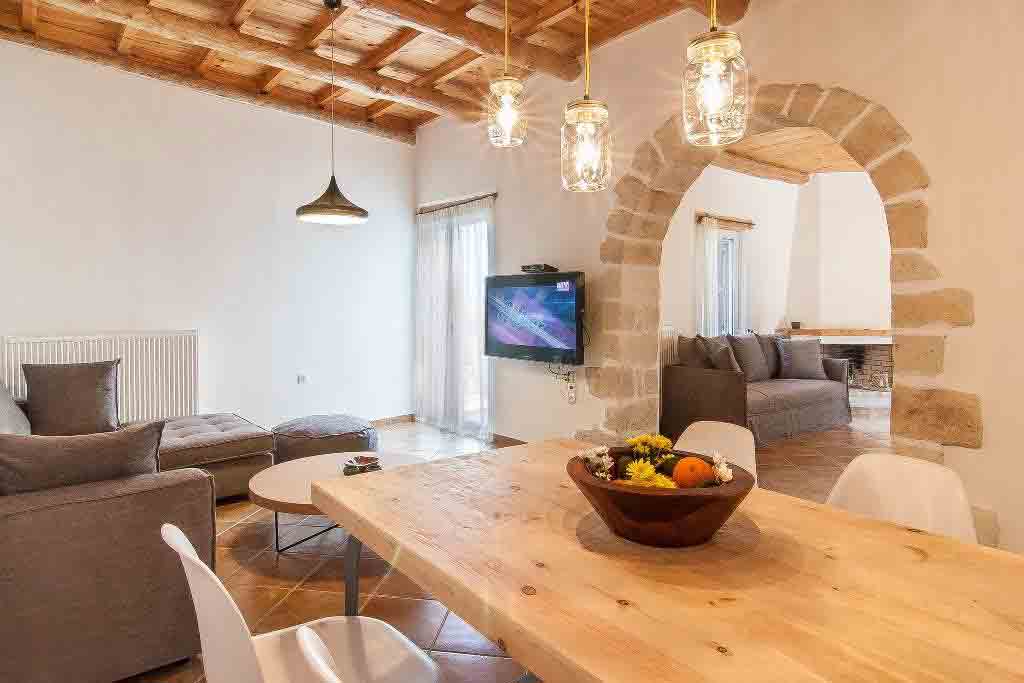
(586, 147)
(506, 125)
(715, 87)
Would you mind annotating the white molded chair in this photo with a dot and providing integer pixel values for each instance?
(360, 649)
(907, 491)
(733, 442)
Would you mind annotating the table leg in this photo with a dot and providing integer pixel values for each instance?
(353, 549)
(528, 678)
(277, 536)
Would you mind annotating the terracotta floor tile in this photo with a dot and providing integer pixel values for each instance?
(274, 570)
(242, 535)
(298, 608)
(235, 509)
(419, 620)
(458, 636)
(461, 668)
(254, 602)
(188, 671)
(377, 577)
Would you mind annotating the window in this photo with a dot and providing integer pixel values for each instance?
(721, 281)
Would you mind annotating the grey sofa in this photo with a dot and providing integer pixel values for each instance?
(89, 591)
(772, 409)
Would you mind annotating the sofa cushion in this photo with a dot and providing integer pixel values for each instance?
(719, 353)
(771, 353)
(199, 439)
(690, 353)
(72, 398)
(12, 418)
(34, 463)
(750, 357)
(800, 359)
(777, 395)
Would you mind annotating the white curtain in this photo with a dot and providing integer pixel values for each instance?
(721, 281)
(453, 379)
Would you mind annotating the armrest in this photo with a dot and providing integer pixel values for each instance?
(692, 394)
(85, 566)
(837, 369)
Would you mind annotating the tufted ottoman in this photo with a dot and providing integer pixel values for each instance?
(317, 434)
(227, 446)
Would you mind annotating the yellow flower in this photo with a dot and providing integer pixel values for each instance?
(640, 470)
(662, 443)
(663, 482)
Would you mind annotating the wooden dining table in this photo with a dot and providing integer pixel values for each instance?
(788, 590)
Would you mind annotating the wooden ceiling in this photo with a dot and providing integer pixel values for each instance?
(788, 154)
(398, 63)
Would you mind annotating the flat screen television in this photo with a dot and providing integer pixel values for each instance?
(536, 316)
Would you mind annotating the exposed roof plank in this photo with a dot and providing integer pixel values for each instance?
(473, 35)
(231, 42)
(760, 169)
(135, 66)
(29, 15)
(553, 12)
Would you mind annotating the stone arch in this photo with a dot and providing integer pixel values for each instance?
(625, 293)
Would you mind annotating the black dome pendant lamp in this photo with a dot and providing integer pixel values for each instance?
(332, 207)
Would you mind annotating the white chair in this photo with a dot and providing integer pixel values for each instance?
(733, 442)
(915, 493)
(360, 649)
(319, 657)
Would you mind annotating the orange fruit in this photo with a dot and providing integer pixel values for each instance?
(691, 472)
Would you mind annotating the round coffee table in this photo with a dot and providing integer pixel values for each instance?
(286, 487)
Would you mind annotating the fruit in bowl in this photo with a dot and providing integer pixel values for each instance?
(661, 498)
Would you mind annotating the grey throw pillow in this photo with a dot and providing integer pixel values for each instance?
(719, 353)
(771, 352)
(750, 357)
(800, 359)
(12, 419)
(33, 463)
(691, 355)
(72, 398)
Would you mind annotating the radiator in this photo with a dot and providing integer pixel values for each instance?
(158, 376)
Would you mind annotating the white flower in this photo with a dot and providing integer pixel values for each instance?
(723, 472)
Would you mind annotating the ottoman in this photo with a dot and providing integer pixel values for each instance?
(317, 434)
(228, 446)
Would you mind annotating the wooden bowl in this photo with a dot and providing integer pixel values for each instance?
(669, 518)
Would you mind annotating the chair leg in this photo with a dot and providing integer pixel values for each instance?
(353, 549)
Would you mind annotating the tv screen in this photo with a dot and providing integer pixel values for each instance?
(538, 316)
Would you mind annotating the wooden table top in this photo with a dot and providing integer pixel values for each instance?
(285, 487)
(788, 590)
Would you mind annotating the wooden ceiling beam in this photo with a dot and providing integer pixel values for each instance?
(374, 59)
(473, 35)
(729, 12)
(240, 11)
(734, 162)
(124, 41)
(318, 33)
(546, 16)
(356, 120)
(230, 41)
(29, 15)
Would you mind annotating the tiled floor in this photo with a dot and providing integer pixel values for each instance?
(278, 590)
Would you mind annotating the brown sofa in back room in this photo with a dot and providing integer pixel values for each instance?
(772, 408)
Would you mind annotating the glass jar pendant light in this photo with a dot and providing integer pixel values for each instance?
(586, 135)
(506, 123)
(715, 98)
(332, 207)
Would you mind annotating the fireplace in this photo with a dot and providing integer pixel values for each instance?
(870, 364)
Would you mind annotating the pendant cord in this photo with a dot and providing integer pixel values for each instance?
(586, 50)
(505, 71)
(333, 18)
(713, 14)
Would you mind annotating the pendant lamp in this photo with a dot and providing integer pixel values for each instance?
(715, 98)
(506, 124)
(586, 135)
(332, 207)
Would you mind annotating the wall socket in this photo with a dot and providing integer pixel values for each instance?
(570, 380)
(301, 378)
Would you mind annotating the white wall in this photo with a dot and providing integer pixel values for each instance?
(132, 204)
(909, 56)
(855, 253)
(771, 205)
